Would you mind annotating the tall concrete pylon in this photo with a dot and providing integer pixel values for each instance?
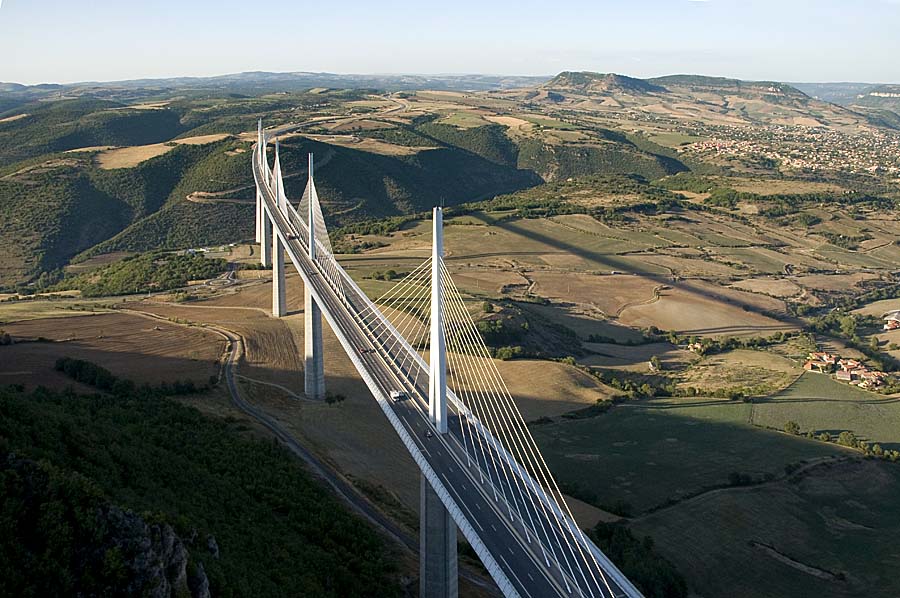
(261, 141)
(314, 362)
(438, 568)
(437, 381)
(264, 223)
(279, 295)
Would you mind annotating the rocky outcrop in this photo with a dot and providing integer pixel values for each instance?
(88, 547)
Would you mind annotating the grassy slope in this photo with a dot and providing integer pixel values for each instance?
(158, 457)
(683, 445)
(841, 518)
(57, 212)
(820, 404)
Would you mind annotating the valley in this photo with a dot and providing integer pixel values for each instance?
(652, 263)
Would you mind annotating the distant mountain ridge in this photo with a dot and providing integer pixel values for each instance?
(606, 83)
(725, 83)
(256, 82)
(586, 82)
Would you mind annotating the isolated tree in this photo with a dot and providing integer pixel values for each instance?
(792, 427)
(847, 438)
(848, 326)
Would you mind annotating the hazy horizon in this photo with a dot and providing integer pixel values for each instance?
(799, 40)
(436, 74)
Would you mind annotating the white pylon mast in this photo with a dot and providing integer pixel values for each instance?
(311, 209)
(261, 142)
(280, 198)
(437, 381)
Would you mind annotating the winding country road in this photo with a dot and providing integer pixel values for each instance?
(339, 485)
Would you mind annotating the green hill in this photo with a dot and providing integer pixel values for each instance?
(619, 156)
(70, 124)
(56, 206)
(56, 209)
(247, 514)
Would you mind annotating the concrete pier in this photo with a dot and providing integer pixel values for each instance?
(438, 569)
(265, 244)
(314, 363)
(279, 296)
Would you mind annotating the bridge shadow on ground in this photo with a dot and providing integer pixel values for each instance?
(614, 262)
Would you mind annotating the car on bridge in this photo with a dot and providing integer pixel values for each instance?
(398, 395)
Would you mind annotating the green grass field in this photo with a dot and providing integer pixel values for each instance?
(648, 453)
(841, 519)
(549, 123)
(819, 403)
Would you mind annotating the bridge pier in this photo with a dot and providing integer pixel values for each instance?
(259, 215)
(279, 296)
(438, 569)
(314, 364)
(314, 361)
(265, 243)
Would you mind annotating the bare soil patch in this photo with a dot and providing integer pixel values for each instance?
(775, 287)
(128, 157)
(375, 146)
(13, 118)
(96, 262)
(695, 312)
(608, 293)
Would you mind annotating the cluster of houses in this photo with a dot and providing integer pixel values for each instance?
(848, 370)
(892, 320)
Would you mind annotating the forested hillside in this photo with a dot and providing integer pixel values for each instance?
(99, 493)
(56, 209)
(178, 173)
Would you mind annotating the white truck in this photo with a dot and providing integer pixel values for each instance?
(397, 395)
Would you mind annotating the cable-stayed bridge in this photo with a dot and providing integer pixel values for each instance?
(418, 350)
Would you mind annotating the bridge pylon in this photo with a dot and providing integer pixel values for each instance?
(263, 220)
(260, 211)
(279, 294)
(314, 361)
(438, 568)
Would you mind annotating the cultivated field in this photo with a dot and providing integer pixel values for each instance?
(96, 262)
(35, 309)
(775, 287)
(128, 345)
(128, 157)
(689, 311)
(683, 445)
(819, 404)
(767, 541)
(636, 358)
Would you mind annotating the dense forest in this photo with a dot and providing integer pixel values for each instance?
(86, 479)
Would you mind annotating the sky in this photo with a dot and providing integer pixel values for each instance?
(64, 41)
